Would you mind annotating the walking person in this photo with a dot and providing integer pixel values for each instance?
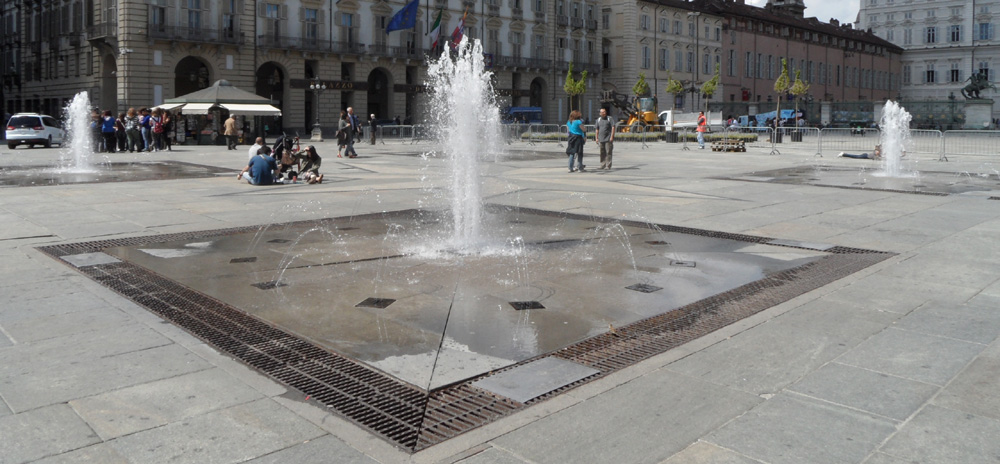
(120, 136)
(96, 139)
(144, 128)
(168, 129)
(352, 132)
(156, 127)
(702, 128)
(577, 137)
(132, 133)
(230, 132)
(373, 125)
(605, 138)
(343, 130)
(108, 131)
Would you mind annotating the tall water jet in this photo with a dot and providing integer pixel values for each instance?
(895, 128)
(466, 120)
(78, 134)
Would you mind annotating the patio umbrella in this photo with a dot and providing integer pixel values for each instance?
(222, 95)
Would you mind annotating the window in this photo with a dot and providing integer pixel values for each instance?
(538, 6)
(748, 65)
(985, 31)
(907, 36)
(310, 24)
(664, 25)
(559, 8)
(678, 61)
(956, 11)
(664, 63)
(760, 64)
(229, 19)
(731, 66)
(930, 13)
(822, 73)
(907, 15)
(930, 35)
(493, 42)
(718, 34)
(955, 75)
(645, 57)
(606, 20)
(890, 16)
(194, 14)
(985, 9)
(984, 69)
(706, 65)
(872, 18)
(644, 22)
(690, 62)
(348, 31)
(576, 10)
(770, 66)
(929, 74)
(538, 46)
(691, 29)
(955, 33)
(157, 18)
(677, 27)
(838, 75)
(516, 40)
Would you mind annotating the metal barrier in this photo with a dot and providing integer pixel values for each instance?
(970, 143)
(848, 140)
(926, 142)
(538, 133)
(395, 133)
(800, 135)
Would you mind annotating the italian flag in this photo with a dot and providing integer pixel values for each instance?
(436, 30)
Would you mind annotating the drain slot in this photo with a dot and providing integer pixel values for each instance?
(249, 259)
(644, 288)
(377, 303)
(682, 263)
(269, 285)
(522, 305)
(279, 240)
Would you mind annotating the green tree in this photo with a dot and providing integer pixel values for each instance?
(781, 87)
(641, 88)
(574, 87)
(674, 87)
(709, 87)
(799, 88)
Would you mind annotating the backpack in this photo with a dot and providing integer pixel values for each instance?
(157, 125)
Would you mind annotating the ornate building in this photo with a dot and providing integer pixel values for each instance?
(139, 53)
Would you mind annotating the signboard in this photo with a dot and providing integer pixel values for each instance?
(330, 85)
(410, 88)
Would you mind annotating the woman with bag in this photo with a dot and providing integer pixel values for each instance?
(343, 131)
(577, 137)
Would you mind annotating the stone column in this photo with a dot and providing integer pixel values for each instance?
(978, 114)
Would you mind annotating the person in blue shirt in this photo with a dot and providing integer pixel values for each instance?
(108, 131)
(262, 169)
(577, 137)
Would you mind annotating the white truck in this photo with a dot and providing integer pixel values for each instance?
(677, 120)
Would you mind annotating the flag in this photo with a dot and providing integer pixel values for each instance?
(405, 18)
(436, 30)
(456, 36)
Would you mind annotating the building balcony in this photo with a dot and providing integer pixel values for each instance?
(407, 52)
(538, 63)
(577, 23)
(192, 34)
(562, 21)
(517, 13)
(540, 16)
(348, 48)
(102, 31)
(591, 24)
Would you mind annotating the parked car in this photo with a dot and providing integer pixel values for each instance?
(33, 129)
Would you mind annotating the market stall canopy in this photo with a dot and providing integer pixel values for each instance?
(222, 95)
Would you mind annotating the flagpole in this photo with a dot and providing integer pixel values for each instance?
(427, 7)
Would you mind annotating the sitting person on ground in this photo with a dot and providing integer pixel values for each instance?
(257, 145)
(309, 161)
(261, 170)
(876, 154)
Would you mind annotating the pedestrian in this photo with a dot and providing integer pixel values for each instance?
(108, 131)
(156, 128)
(120, 136)
(605, 138)
(147, 136)
(257, 144)
(308, 163)
(230, 132)
(168, 129)
(373, 125)
(132, 133)
(352, 132)
(702, 127)
(261, 170)
(577, 137)
(97, 140)
(343, 128)
(396, 121)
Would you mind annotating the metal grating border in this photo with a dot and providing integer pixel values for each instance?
(409, 417)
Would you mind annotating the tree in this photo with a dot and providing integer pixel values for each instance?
(574, 87)
(641, 88)
(781, 87)
(798, 89)
(674, 87)
(709, 87)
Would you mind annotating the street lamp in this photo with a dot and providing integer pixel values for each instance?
(317, 87)
(697, 52)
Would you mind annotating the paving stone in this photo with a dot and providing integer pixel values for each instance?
(946, 436)
(492, 456)
(882, 458)
(795, 430)
(708, 453)
(940, 268)
(913, 355)
(322, 449)
(683, 410)
(35, 385)
(56, 325)
(160, 402)
(534, 379)
(101, 453)
(234, 434)
(42, 432)
(4, 410)
(964, 322)
(882, 394)
(881, 292)
(975, 389)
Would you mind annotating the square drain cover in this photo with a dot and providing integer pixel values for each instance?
(378, 303)
(269, 285)
(522, 305)
(279, 240)
(657, 242)
(644, 288)
(681, 263)
(529, 381)
(799, 244)
(90, 259)
(250, 259)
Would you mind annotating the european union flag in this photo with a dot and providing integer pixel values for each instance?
(405, 18)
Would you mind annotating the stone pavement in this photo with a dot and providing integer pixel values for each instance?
(897, 363)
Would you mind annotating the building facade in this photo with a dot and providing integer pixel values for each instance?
(141, 52)
(945, 42)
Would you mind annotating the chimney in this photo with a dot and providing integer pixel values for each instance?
(834, 21)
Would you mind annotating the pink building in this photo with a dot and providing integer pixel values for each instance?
(841, 64)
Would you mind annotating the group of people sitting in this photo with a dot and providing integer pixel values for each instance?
(268, 166)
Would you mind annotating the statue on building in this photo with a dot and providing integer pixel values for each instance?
(977, 82)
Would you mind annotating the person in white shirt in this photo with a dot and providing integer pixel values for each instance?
(256, 146)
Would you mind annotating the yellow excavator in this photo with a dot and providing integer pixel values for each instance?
(636, 112)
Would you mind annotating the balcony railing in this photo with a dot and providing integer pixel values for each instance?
(591, 24)
(538, 63)
(192, 34)
(379, 49)
(577, 23)
(440, 3)
(492, 10)
(517, 13)
(102, 30)
(348, 48)
(540, 16)
(562, 20)
(408, 52)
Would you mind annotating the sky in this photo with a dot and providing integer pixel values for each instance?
(823, 10)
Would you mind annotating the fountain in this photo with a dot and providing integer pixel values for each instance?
(894, 138)
(78, 135)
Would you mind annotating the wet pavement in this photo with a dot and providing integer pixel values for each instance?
(871, 177)
(35, 176)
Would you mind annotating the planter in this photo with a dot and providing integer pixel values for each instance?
(672, 137)
(796, 136)
(776, 137)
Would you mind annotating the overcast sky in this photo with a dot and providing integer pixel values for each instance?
(823, 10)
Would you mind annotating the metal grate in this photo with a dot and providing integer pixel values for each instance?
(269, 285)
(249, 259)
(644, 288)
(522, 305)
(378, 303)
(680, 263)
(412, 418)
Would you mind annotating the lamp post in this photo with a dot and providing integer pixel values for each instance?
(317, 87)
(697, 52)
